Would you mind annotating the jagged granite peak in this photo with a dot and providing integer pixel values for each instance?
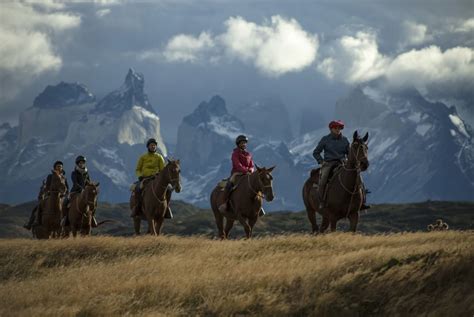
(63, 94)
(216, 107)
(130, 94)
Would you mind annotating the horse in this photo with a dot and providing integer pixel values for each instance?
(345, 193)
(50, 209)
(82, 210)
(156, 198)
(246, 201)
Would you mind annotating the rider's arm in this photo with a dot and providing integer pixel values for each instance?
(161, 163)
(251, 167)
(317, 151)
(138, 170)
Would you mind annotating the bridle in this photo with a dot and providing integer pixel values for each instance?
(258, 193)
(170, 182)
(357, 183)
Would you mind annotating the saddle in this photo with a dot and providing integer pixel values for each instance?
(141, 183)
(314, 175)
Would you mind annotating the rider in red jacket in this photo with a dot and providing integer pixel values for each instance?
(242, 164)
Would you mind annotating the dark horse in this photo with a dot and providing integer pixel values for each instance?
(345, 193)
(50, 209)
(83, 206)
(156, 198)
(245, 202)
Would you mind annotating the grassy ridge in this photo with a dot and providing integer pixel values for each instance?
(190, 220)
(296, 275)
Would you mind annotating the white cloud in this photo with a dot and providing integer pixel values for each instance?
(27, 48)
(354, 59)
(431, 70)
(103, 12)
(276, 47)
(414, 34)
(463, 26)
(187, 48)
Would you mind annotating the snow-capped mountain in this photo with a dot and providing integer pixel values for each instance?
(205, 142)
(64, 122)
(418, 150)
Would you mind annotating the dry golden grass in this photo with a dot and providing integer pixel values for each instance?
(336, 274)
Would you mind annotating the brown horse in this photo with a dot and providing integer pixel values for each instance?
(245, 202)
(156, 198)
(82, 210)
(50, 209)
(345, 193)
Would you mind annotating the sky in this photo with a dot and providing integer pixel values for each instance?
(305, 53)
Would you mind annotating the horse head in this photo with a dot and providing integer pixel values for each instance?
(266, 182)
(172, 171)
(58, 183)
(358, 153)
(91, 191)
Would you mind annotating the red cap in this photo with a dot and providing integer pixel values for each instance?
(336, 123)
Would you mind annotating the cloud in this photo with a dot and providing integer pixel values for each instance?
(463, 26)
(441, 74)
(27, 48)
(436, 73)
(276, 47)
(414, 34)
(103, 12)
(187, 48)
(354, 59)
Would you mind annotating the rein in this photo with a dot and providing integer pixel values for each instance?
(258, 193)
(356, 185)
(170, 181)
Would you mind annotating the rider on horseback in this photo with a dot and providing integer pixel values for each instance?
(35, 218)
(148, 165)
(336, 149)
(242, 164)
(80, 178)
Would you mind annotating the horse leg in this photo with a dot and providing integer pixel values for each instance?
(159, 224)
(245, 225)
(252, 223)
(151, 227)
(324, 224)
(136, 225)
(312, 220)
(353, 220)
(228, 226)
(333, 223)
(220, 224)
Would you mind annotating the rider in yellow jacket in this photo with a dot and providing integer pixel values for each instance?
(149, 164)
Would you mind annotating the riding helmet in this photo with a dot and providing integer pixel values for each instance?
(80, 158)
(57, 163)
(241, 138)
(150, 141)
(336, 123)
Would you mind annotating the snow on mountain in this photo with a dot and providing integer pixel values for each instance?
(111, 134)
(418, 150)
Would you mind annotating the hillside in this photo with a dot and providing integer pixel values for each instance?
(190, 220)
(339, 274)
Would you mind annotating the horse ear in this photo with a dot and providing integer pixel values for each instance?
(366, 137)
(271, 169)
(178, 162)
(258, 167)
(168, 160)
(97, 184)
(356, 135)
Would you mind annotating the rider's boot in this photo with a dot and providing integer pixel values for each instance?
(227, 190)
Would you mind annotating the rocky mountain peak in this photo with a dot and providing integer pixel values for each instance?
(216, 107)
(130, 94)
(63, 94)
